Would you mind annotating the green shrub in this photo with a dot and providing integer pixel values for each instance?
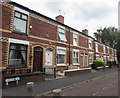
(99, 63)
(112, 62)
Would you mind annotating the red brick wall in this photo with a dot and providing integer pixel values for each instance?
(83, 41)
(40, 29)
(71, 57)
(4, 52)
(67, 37)
(110, 51)
(100, 48)
(6, 17)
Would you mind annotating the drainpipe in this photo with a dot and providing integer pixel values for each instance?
(69, 47)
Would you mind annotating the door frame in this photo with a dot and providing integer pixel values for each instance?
(32, 60)
(53, 56)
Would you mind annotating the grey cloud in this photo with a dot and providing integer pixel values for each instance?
(89, 13)
(54, 6)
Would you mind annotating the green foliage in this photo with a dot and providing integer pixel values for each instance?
(111, 35)
(99, 63)
(112, 62)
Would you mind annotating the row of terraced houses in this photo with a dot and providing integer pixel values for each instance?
(32, 41)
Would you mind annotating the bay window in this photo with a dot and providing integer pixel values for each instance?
(18, 54)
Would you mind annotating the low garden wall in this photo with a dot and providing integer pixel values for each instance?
(18, 79)
(77, 71)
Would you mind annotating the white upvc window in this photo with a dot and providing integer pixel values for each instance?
(20, 21)
(97, 57)
(75, 57)
(104, 59)
(61, 35)
(90, 58)
(90, 44)
(112, 51)
(75, 39)
(96, 47)
(61, 55)
(104, 51)
(108, 50)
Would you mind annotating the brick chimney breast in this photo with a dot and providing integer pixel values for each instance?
(85, 31)
(60, 18)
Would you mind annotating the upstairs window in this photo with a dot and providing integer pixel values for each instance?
(20, 22)
(90, 44)
(61, 35)
(108, 50)
(75, 39)
(104, 51)
(96, 47)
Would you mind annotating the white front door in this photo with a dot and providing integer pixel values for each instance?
(48, 57)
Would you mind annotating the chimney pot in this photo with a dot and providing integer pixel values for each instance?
(60, 18)
(85, 31)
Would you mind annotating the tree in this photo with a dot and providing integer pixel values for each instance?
(111, 35)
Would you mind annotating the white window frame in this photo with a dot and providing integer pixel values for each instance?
(91, 53)
(104, 59)
(61, 35)
(90, 43)
(104, 50)
(108, 50)
(96, 47)
(64, 49)
(75, 51)
(75, 39)
(97, 57)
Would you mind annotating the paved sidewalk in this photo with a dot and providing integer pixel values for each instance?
(50, 85)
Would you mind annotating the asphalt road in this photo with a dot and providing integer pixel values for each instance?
(45, 86)
(105, 86)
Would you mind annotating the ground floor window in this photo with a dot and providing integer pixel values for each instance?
(61, 56)
(90, 58)
(104, 59)
(97, 57)
(18, 54)
(75, 57)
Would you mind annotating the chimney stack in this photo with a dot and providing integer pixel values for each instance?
(107, 43)
(85, 31)
(60, 18)
(99, 39)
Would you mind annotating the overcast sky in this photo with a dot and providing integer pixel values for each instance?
(78, 13)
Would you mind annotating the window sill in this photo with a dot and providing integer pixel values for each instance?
(76, 64)
(20, 33)
(61, 42)
(61, 65)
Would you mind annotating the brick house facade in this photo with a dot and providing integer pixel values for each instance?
(32, 41)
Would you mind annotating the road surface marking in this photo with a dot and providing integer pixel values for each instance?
(104, 88)
(95, 93)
